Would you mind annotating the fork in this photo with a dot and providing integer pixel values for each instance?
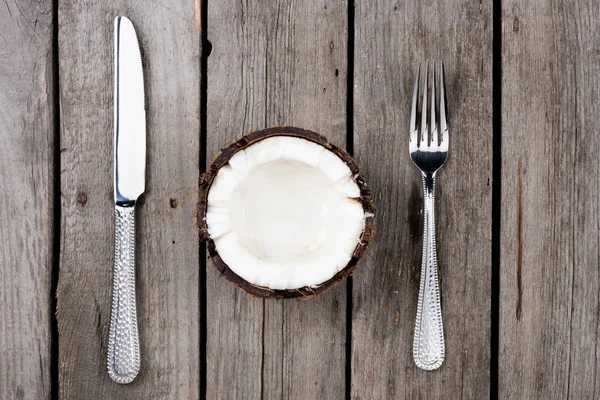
(428, 151)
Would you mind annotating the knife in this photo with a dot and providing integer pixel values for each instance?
(129, 174)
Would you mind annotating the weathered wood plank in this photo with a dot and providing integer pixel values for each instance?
(391, 37)
(275, 63)
(26, 205)
(549, 231)
(167, 257)
(235, 105)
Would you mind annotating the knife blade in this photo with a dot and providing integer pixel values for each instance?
(130, 115)
(129, 183)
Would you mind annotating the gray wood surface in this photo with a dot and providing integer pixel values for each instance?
(391, 38)
(282, 62)
(550, 239)
(167, 239)
(275, 63)
(26, 201)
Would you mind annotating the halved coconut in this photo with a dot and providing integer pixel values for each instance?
(285, 213)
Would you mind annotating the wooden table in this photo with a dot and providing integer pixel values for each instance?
(518, 209)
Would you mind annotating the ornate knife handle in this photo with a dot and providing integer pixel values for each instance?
(428, 345)
(123, 337)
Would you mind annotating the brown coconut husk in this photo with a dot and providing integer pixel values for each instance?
(223, 158)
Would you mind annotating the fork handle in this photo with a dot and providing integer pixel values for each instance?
(428, 345)
(123, 336)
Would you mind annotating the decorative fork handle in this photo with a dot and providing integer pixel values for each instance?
(123, 337)
(428, 345)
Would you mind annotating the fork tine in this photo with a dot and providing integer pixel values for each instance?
(434, 131)
(415, 104)
(413, 112)
(424, 129)
(443, 109)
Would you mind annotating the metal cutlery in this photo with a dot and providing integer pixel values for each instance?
(428, 151)
(129, 174)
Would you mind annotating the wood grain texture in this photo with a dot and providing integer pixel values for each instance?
(167, 239)
(275, 63)
(549, 233)
(26, 198)
(391, 38)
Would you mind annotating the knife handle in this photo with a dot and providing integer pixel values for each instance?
(123, 337)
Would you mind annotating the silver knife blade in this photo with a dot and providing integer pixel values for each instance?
(130, 115)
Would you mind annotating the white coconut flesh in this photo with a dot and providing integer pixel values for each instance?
(283, 213)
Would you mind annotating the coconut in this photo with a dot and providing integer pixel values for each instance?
(285, 213)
